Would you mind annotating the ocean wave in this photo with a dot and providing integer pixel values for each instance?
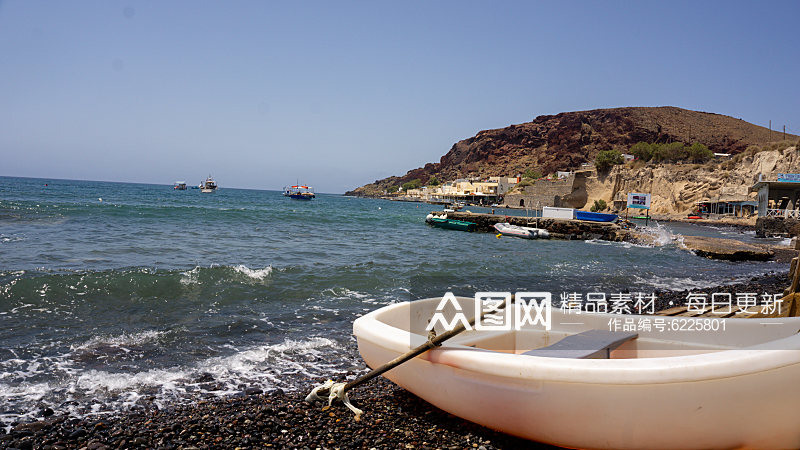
(256, 274)
(58, 291)
(268, 366)
(6, 239)
(168, 381)
(689, 283)
(674, 283)
(343, 292)
(81, 391)
(622, 244)
(121, 340)
(661, 235)
(199, 274)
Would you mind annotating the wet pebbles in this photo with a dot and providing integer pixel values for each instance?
(392, 418)
(771, 283)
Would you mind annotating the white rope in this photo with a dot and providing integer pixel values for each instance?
(312, 397)
(336, 390)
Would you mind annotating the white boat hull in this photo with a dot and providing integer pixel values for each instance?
(521, 232)
(691, 399)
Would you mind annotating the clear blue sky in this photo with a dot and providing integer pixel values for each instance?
(338, 94)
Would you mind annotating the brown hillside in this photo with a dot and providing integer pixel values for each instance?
(566, 140)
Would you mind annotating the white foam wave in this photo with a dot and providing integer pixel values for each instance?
(266, 365)
(689, 283)
(342, 292)
(81, 392)
(94, 380)
(674, 283)
(4, 238)
(193, 276)
(190, 276)
(661, 235)
(256, 274)
(124, 339)
(617, 244)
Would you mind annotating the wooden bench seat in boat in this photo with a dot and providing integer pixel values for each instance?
(592, 344)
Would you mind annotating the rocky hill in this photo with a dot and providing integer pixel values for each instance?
(565, 141)
(676, 188)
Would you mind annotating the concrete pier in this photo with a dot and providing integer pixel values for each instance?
(558, 228)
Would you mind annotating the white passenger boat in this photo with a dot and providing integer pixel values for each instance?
(208, 186)
(507, 229)
(667, 389)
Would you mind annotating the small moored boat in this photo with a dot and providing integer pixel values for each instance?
(450, 224)
(179, 186)
(208, 186)
(506, 229)
(579, 385)
(299, 192)
(595, 216)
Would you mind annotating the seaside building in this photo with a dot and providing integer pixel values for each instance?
(504, 184)
(543, 192)
(736, 207)
(477, 190)
(778, 198)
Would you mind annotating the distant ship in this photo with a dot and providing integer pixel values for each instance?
(299, 192)
(208, 186)
(179, 186)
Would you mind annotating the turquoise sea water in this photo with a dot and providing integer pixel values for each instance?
(154, 296)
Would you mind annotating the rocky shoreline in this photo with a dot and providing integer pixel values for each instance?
(393, 417)
(772, 283)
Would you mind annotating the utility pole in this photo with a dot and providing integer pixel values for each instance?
(784, 132)
(770, 130)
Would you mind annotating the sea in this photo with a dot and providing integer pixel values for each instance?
(117, 296)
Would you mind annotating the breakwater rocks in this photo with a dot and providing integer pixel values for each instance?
(558, 228)
(777, 226)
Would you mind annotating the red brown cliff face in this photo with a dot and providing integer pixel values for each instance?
(566, 140)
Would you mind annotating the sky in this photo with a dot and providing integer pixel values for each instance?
(261, 94)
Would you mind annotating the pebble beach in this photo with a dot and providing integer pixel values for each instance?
(393, 418)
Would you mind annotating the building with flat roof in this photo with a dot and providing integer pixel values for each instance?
(778, 198)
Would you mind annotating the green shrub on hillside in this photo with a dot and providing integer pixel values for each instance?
(699, 153)
(533, 174)
(599, 205)
(433, 181)
(413, 184)
(672, 152)
(525, 182)
(608, 158)
(643, 151)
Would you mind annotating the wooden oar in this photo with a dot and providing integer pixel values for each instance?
(338, 390)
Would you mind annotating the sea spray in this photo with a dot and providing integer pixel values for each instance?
(660, 235)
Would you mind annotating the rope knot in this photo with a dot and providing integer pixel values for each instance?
(335, 391)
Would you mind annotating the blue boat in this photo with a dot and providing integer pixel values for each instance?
(299, 192)
(595, 217)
